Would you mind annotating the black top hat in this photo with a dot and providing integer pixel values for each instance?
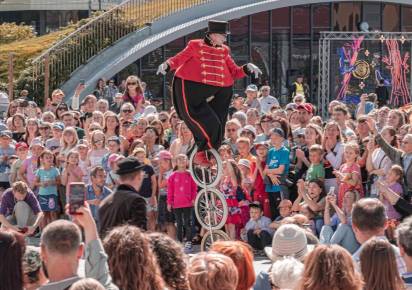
(221, 27)
(128, 165)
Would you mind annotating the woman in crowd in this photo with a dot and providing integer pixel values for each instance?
(131, 260)
(111, 125)
(333, 146)
(134, 93)
(332, 267)
(60, 110)
(242, 256)
(171, 260)
(32, 131)
(18, 123)
(183, 142)
(11, 253)
(378, 266)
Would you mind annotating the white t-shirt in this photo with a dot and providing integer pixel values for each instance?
(266, 103)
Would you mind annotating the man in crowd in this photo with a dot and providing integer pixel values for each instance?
(96, 191)
(404, 232)
(369, 221)
(402, 157)
(305, 112)
(20, 209)
(62, 248)
(340, 115)
(232, 133)
(6, 150)
(125, 205)
(266, 100)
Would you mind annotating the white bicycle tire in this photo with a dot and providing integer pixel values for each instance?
(219, 212)
(219, 165)
(218, 235)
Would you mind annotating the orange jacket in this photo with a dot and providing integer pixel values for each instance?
(203, 63)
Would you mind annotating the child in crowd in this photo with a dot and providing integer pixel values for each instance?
(259, 193)
(112, 179)
(278, 162)
(394, 179)
(316, 169)
(285, 210)
(30, 165)
(349, 174)
(165, 218)
(98, 149)
(6, 150)
(47, 179)
(72, 171)
(69, 142)
(244, 167)
(53, 144)
(231, 188)
(243, 147)
(181, 194)
(148, 189)
(83, 148)
(113, 146)
(22, 150)
(259, 234)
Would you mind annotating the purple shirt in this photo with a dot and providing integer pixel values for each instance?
(8, 202)
(390, 210)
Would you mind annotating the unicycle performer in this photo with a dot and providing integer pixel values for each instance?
(203, 86)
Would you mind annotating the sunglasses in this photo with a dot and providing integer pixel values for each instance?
(163, 120)
(131, 84)
(127, 111)
(54, 104)
(126, 124)
(231, 130)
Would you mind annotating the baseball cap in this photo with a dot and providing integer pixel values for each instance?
(36, 142)
(244, 162)
(259, 144)
(58, 125)
(252, 88)
(249, 128)
(164, 154)
(278, 131)
(21, 145)
(114, 139)
(6, 133)
(149, 110)
(307, 107)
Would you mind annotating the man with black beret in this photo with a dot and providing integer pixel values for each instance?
(125, 205)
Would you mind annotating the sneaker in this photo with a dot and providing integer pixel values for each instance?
(201, 159)
(188, 247)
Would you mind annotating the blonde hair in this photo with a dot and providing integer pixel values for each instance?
(212, 271)
(94, 133)
(353, 146)
(66, 145)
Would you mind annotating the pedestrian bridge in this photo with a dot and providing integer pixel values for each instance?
(110, 48)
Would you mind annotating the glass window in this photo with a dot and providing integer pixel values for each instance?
(372, 15)
(280, 62)
(407, 18)
(260, 42)
(346, 16)
(301, 20)
(172, 48)
(321, 15)
(281, 19)
(300, 60)
(150, 62)
(391, 18)
(239, 45)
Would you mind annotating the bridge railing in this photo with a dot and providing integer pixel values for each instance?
(54, 66)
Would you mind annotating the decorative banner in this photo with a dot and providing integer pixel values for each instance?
(361, 70)
(399, 68)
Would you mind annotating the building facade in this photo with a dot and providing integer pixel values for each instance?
(282, 42)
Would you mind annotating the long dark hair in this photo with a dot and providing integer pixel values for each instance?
(11, 253)
(139, 88)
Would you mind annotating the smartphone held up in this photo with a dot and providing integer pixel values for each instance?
(77, 196)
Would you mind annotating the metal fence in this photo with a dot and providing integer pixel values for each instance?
(55, 65)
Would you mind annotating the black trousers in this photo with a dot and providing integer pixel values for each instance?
(259, 242)
(274, 200)
(183, 218)
(205, 118)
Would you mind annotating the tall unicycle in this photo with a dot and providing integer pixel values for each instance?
(214, 168)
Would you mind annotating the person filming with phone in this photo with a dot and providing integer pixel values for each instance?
(20, 209)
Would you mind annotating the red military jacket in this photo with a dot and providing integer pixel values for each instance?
(203, 63)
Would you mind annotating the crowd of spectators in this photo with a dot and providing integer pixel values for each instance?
(326, 199)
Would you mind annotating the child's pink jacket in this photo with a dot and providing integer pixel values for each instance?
(181, 190)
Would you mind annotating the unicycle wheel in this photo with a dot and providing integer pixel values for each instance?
(206, 175)
(210, 237)
(211, 209)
